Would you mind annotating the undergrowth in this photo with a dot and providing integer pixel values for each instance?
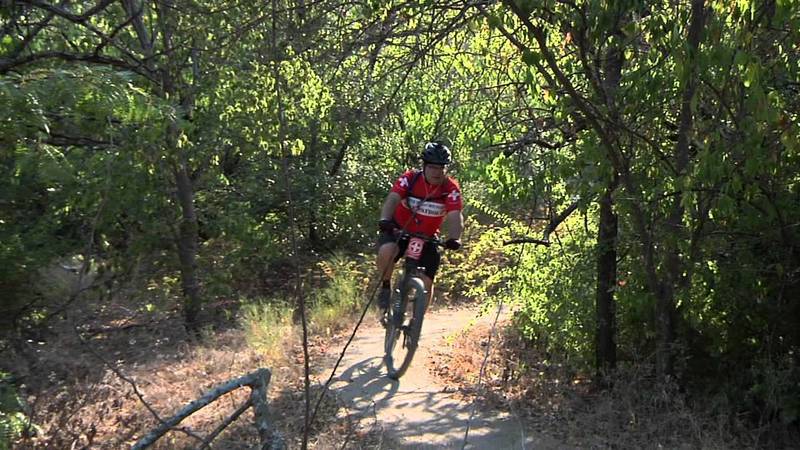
(333, 293)
(629, 409)
(334, 304)
(72, 375)
(267, 325)
(13, 420)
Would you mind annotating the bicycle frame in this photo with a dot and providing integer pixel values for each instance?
(397, 325)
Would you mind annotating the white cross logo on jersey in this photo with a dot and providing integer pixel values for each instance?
(404, 182)
(453, 196)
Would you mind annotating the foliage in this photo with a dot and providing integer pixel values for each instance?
(693, 168)
(477, 271)
(342, 296)
(554, 290)
(13, 421)
(290, 125)
(267, 325)
(53, 196)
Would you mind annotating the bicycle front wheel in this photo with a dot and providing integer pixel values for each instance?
(404, 328)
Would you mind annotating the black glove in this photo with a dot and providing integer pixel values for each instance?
(452, 244)
(387, 225)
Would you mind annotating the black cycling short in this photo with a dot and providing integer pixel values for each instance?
(430, 253)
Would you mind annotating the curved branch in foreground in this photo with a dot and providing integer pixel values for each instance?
(257, 381)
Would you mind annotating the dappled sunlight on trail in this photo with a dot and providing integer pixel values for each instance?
(418, 411)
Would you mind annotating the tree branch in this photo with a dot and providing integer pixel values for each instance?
(522, 47)
(83, 20)
(527, 240)
(7, 64)
(136, 390)
(255, 380)
(232, 418)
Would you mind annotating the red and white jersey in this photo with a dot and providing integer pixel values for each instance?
(422, 210)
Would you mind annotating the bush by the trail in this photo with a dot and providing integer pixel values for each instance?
(13, 420)
(267, 325)
(342, 295)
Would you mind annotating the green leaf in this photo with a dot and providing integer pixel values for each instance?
(493, 21)
(751, 74)
(531, 58)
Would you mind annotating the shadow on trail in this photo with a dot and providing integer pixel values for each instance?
(421, 414)
(367, 382)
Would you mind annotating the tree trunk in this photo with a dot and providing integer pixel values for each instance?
(605, 307)
(665, 307)
(606, 348)
(313, 164)
(184, 189)
(187, 245)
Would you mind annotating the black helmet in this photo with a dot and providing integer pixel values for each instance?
(436, 153)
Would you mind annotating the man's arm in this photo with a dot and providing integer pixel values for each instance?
(455, 224)
(389, 205)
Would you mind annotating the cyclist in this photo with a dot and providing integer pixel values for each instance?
(419, 202)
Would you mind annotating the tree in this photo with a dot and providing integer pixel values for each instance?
(161, 46)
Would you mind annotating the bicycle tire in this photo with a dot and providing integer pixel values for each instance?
(414, 289)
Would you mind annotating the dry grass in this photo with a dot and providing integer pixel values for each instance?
(78, 401)
(72, 372)
(634, 412)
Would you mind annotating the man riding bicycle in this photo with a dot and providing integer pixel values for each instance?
(419, 202)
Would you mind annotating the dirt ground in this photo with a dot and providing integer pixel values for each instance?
(96, 381)
(425, 409)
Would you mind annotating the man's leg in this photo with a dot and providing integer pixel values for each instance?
(430, 259)
(385, 262)
(386, 255)
(428, 282)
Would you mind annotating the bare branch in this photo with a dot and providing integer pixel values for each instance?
(30, 36)
(7, 64)
(83, 20)
(131, 382)
(527, 240)
(61, 12)
(232, 418)
(63, 140)
(256, 380)
(556, 221)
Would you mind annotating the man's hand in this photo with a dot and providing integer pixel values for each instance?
(452, 244)
(387, 225)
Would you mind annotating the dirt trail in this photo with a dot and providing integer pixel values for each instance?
(418, 412)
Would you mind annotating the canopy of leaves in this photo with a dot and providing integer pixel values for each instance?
(293, 120)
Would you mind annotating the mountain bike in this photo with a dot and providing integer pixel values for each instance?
(407, 308)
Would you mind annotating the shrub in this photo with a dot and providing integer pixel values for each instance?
(267, 326)
(333, 305)
(13, 420)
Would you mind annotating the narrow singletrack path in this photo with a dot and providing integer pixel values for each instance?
(418, 412)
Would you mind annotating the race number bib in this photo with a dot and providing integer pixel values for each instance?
(414, 249)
